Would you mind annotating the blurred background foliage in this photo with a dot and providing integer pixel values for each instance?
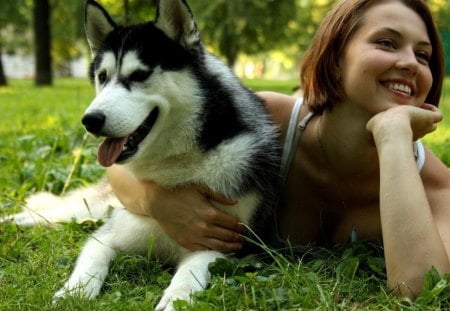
(258, 30)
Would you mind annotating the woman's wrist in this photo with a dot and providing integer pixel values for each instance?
(137, 196)
(390, 131)
(151, 194)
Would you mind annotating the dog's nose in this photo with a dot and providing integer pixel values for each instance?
(94, 121)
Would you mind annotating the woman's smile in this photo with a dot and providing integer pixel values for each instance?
(386, 62)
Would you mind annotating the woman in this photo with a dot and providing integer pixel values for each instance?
(372, 80)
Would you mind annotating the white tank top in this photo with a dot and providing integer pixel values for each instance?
(295, 131)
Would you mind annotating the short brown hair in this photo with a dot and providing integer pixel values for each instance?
(320, 75)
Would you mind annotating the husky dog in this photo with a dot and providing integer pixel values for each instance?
(172, 113)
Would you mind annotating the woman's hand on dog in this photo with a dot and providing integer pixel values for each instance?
(186, 214)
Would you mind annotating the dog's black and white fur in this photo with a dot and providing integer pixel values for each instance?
(174, 114)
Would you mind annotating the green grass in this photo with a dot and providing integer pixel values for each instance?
(43, 147)
(439, 141)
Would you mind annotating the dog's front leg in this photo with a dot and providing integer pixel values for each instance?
(192, 276)
(91, 268)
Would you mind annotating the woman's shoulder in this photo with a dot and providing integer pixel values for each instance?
(279, 107)
(436, 176)
(276, 100)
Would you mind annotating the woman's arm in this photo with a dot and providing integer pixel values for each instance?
(412, 241)
(185, 214)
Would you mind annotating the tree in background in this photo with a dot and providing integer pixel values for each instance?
(234, 27)
(309, 15)
(67, 32)
(42, 37)
(231, 28)
(3, 80)
(126, 12)
(13, 27)
(441, 10)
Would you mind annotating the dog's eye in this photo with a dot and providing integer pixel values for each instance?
(102, 76)
(139, 75)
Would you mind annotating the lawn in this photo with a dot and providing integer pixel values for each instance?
(43, 147)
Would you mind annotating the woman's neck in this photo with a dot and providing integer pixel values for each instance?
(344, 141)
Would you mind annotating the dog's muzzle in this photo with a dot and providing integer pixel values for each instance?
(118, 149)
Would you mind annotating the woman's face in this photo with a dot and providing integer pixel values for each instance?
(385, 63)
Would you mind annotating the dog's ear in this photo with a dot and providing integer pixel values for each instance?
(175, 19)
(97, 24)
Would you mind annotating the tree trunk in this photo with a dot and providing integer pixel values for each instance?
(41, 20)
(3, 81)
(126, 10)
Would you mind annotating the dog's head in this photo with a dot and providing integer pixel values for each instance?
(141, 75)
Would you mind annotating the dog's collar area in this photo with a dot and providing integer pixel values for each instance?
(138, 136)
(118, 150)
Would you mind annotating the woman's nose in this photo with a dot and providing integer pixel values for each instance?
(408, 62)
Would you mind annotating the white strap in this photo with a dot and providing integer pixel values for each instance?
(293, 136)
(419, 154)
(291, 131)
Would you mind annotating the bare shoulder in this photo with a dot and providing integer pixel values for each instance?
(436, 180)
(279, 106)
(435, 174)
(276, 102)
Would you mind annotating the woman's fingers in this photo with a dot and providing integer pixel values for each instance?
(217, 231)
(225, 235)
(206, 243)
(401, 120)
(217, 245)
(215, 196)
(220, 219)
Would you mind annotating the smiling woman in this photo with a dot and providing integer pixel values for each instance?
(387, 66)
(372, 82)
(321, 70)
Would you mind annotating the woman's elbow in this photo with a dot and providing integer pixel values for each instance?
(410, 286)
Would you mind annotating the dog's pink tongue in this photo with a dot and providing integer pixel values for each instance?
(110, 150)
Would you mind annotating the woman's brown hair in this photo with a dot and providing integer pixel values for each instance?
(320, 75)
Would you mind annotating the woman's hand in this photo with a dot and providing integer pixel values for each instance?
(395, 123)
(186, 214)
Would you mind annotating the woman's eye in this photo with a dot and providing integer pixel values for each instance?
(386, 43)
(102, 76)
(139, 75)
(423, 56)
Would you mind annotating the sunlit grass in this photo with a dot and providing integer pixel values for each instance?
(26, 108)
(39, 128)
(42, 143)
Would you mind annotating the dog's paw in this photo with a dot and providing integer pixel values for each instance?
(171, 295)
(89, 289)
(24, 219)
(61, 294)
(35, 211)
(7, 218)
